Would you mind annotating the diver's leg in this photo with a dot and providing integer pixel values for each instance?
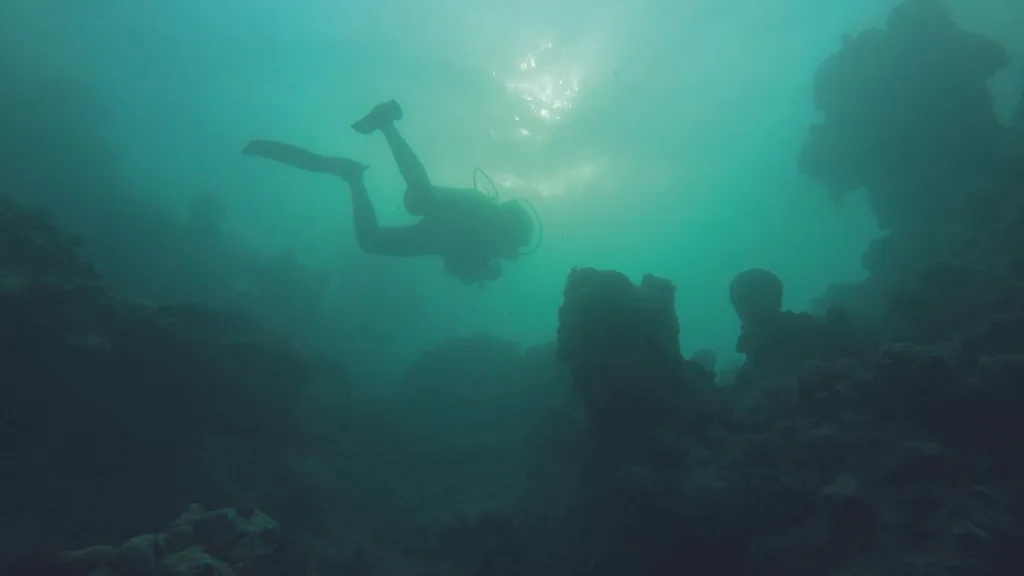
(407, 241)
(420, 194)
(409, 164)
(382, 114)
(419, 190)
(398, 241)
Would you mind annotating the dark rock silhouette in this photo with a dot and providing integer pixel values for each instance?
(228, 542)
(621, 343)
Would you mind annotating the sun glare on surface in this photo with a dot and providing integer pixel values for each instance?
(546, 82)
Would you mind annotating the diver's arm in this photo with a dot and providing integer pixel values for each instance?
(399, 241)
(473, 272)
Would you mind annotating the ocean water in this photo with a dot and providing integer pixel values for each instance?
(651, 136)
(349, 398)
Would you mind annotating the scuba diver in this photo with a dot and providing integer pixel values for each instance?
(470, 230)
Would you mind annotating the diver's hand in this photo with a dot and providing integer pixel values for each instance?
(474, 272)
(490, 270)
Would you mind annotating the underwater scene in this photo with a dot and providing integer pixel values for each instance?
(494, 288)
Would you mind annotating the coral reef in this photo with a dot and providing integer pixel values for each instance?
(829, 464)
(908, 116)
(777, 341)
(621, 343)
(868, 437)
(877, 435)
(139, 395)
(228, 542)
(755, 294)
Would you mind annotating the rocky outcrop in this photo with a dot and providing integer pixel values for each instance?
(621, 344)
(228, 542)
(143, 406)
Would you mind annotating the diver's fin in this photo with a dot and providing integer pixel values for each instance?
(345, 168)
(382, 114)
(286, 154)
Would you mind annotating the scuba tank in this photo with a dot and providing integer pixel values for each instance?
(482, 183)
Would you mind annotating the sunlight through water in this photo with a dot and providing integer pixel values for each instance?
(570, 179)
(547, 83)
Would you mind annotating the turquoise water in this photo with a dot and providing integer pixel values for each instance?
(652, 136)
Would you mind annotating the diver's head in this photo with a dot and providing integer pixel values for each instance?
(515, 229)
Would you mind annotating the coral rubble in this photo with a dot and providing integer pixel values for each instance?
(228, 542)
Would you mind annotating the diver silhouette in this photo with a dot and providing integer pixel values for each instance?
(471, 231)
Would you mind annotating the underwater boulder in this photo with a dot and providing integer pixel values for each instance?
(755, 294)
